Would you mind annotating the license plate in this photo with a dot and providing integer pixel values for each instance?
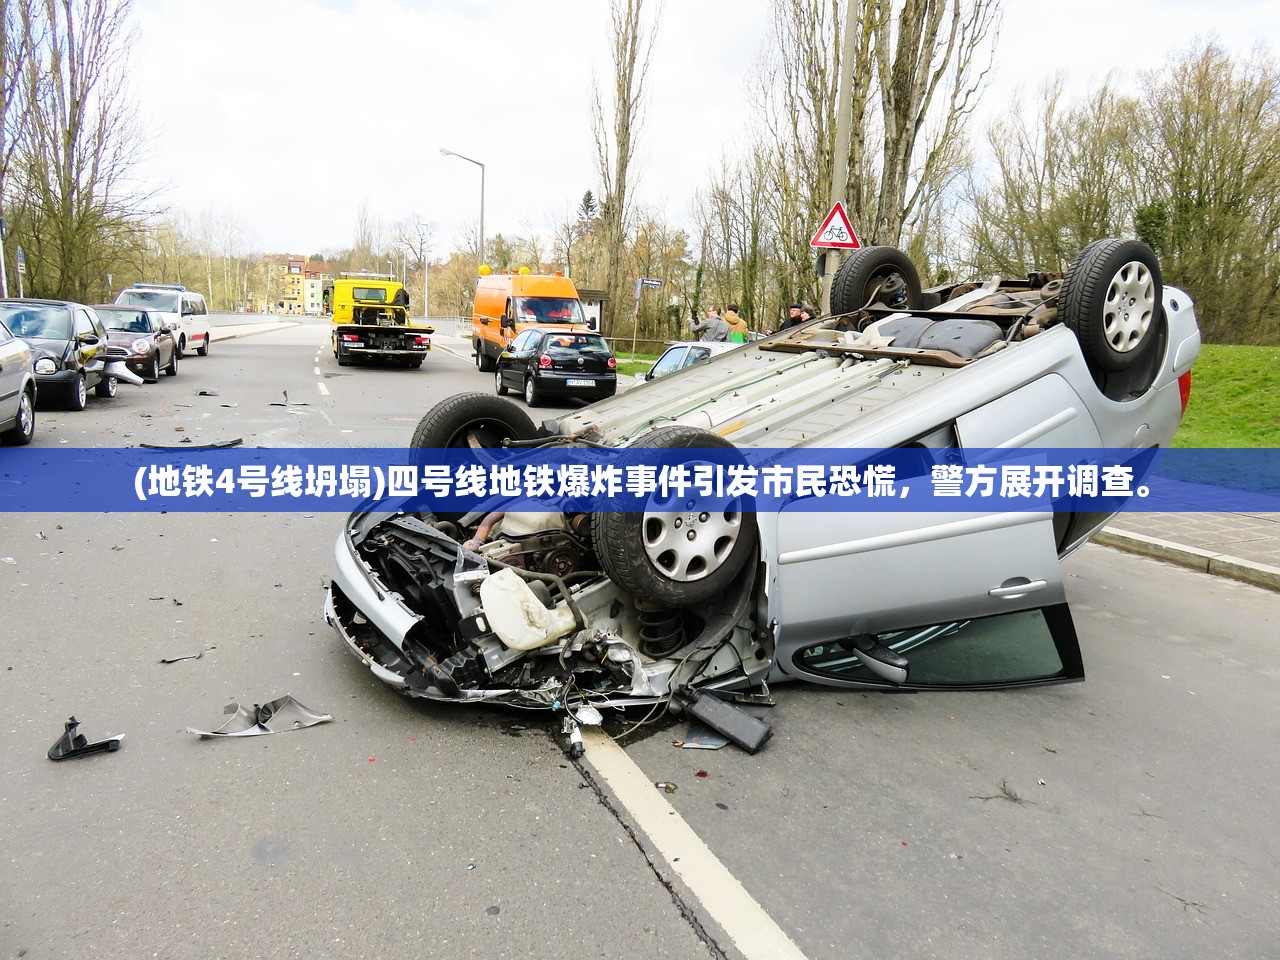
(579, 383)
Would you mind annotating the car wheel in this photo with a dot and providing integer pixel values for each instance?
(473, 420)
(172, 368)
(181, 348)
(203, 349)
(79, 394)
(532, 396)
(106, 388)
(499, 387)
(344, 360)
(1111, 299)
(677, 552)
(484, 363)
(153, 375)
(24, 427)
(875, 275)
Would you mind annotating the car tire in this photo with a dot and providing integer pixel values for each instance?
(78, 395)
(499, 387)
(484, 363)
(203, 349)
(172, 368)
(883, 274)
(650, 555)
(532, 396)
(471, 420)
(153, 375)
(24, 427)
(1111, 299)
(180, 348)
(106, 388)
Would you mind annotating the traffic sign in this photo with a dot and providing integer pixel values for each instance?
(836, 231)
(651, 281)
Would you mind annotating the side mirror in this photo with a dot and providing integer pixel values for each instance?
(88, 339)
(166, 329)
(641, 376)
(508, 323)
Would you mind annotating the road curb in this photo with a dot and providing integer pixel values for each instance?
(1206, 561)
(251, 333)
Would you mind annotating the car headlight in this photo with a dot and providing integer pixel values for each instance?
(46, 365)
(141, 346)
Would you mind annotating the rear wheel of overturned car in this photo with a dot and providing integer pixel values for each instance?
(106, 388)
(870, 275)
(472, 420)
(678, 552)
(1111, 300)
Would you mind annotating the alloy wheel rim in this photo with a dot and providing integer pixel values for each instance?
(26, 422)
(1129, 306)
(689, 544)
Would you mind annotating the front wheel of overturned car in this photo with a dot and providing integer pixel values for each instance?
(870, 275)
(679, 551)
(1111, 300)
(472, 420)
(106, 388)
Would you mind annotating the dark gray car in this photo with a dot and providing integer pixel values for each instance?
(68, 345)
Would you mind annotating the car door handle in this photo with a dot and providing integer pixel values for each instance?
(1012, 590)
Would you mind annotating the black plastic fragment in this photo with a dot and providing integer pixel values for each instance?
(73, 744)
(735, 723)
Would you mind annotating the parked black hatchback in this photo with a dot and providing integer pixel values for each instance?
(68, 344)
(557, 363)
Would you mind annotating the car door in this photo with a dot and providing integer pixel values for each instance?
(512, 361)
(89, 344)
(669, 362)
(15, 360)
(695, 355)
(161, 336)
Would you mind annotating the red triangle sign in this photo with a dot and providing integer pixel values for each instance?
(836, 231)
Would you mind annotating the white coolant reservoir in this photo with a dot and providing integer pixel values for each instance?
(516, 524)
(516, 614)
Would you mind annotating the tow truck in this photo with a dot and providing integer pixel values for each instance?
(371, 321)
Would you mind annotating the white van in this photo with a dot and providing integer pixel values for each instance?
(181, 309)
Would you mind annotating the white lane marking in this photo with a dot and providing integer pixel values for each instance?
(316, 371)
(724, 898)
(323, 389)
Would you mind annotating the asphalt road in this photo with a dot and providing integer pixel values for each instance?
(872, 825)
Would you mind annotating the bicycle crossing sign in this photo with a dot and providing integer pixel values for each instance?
(836, 231)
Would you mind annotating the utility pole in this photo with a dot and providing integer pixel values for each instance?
(840, 152)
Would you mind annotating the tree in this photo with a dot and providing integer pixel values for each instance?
(76, 211)
(631, 47)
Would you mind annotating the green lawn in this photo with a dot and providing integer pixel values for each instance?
(630, 364)
(1235, 399)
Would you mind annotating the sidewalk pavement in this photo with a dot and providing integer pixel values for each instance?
(1241, 546)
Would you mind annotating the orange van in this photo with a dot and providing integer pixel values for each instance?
(506, 303)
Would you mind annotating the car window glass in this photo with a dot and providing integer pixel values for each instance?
(155, 299)
(669, 362)
(1009, 648)
(572, 344)
(37, 321)
(523, 341)
(696, 355)
(83, 323)
(5, 335)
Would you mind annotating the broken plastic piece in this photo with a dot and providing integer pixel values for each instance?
(183, 656)
(221, 445)
(276, 716)
(735, 723)
(576, 747)
(72, 744)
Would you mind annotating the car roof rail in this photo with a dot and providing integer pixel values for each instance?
(160, 286)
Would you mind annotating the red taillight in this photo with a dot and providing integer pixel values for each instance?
(544, 362)
(613, 363)
(350, 338)
(422, 341)
(1184, 390)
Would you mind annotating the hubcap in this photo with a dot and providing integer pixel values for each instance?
(80, 391)
(528, 390)
(25, 420)
(497, 379)
(688, 544)
(1129, 307)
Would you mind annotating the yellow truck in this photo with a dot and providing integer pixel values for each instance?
(371, 321)
(507, 303)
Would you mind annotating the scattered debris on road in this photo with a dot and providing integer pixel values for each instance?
(276, 716)
(73, 744)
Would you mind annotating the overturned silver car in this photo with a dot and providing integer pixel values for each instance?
(544, 610)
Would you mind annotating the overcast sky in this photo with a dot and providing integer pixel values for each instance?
(293, 112)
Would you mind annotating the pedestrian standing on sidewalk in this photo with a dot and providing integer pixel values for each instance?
(739, 332)
(713, 328)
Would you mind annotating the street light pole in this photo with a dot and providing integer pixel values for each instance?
(450, 153)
